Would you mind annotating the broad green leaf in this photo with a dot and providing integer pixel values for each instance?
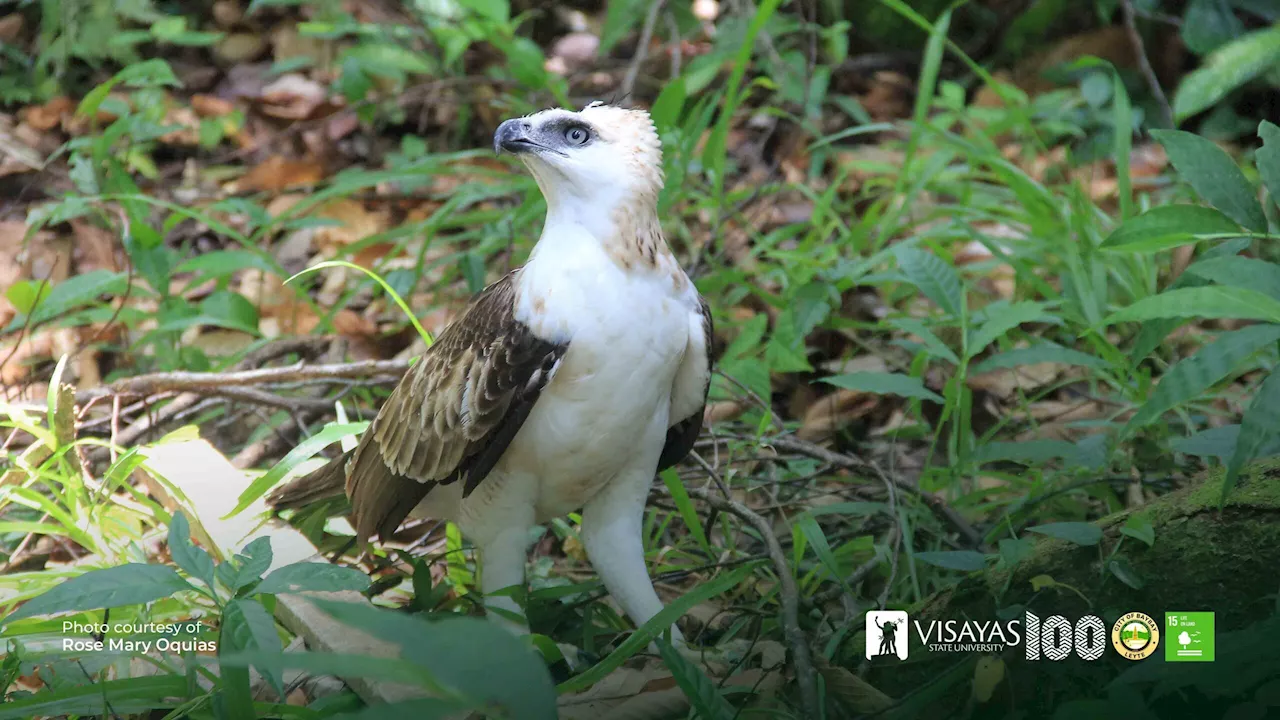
(1030, 452)
(389, 60)
(231, 310)
(1154, 332)
(931, 342)
(657, 625)
(313, 576)
(1040, 353)
(1260, 425)
(1168, 226)
(1214, 442)
(247, 626)
(1244, 272)
(1226, 69)
(879, 383)
(1080, 533)
(1268, 159)
(302, 451)
(620, 18)
(1138, 526)
(1202, 302)
(128, 696)
(78, 291)
(247, 566)
(194, 560)
(1014, 551)
(688, 512)
(1208, 25)
(935, 278)
(26, 295)
(473, 659)
(1214, 175)
(1191, 376)
(130, 584)
(966, 560)
(221, 263)
(1124, 572)
(1001, 318)
(497, 10)
(669, 103)
(703, 692)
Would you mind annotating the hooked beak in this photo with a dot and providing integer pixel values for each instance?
(513, 136)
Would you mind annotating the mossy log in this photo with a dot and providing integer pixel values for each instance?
(1203, 558)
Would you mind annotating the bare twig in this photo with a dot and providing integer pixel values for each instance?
(642, 49)
(788, 594)
(214, 382)
(1140, 51)
(936, 504)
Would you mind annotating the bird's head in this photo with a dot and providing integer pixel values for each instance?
(602, 157)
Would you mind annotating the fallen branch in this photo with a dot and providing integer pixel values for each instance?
(212, 382)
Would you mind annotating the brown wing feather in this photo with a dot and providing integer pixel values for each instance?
(453, 415)
(684, 433)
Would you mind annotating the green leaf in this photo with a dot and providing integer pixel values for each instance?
(1260, 425)
(656, 626)
(194, 560)
(1214, 442)
(498, 11)
(1168, 226)
(966, 560)
(1152, 333)
(688, 512)
(26, 295)
(669, 103)
(1226, 69)
(879, 383)
(128, 696)
(1015, 550)
(231, 310)
(79, 290)
(1138, 526)
(1191, 376)
(130, 584)
(620, 18)
(313, 576)
(1208, 25)
(1040, 353)
(474, 659)
(703, 693)
(389, 60)
(301, 452)
(1243, 272)
(1080, 533)
(247, 567)
(1214, 175)
(817, 539)
(1124, 572)
(1203, 302)
(932, 344)
(935, 278)
(1001, 318)
(247, 626)
(1268, 159)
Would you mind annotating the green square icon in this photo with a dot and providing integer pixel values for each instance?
(1188, 637)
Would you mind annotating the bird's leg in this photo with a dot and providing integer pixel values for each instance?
(503, 558)
(612, 525)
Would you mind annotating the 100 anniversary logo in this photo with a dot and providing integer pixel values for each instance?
(1135, 635)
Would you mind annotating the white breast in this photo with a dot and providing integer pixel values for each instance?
(607, 406)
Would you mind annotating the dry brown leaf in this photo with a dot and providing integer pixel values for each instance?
(10, 27)
(95, 247)
(831, 412)
(353, 223)
(278, 173)
(49, 115)
(853, 692)
(293, 97)
(211, 106)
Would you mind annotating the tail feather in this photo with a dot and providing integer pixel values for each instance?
(326, 482)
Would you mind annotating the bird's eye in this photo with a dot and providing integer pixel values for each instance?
(577, 135)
